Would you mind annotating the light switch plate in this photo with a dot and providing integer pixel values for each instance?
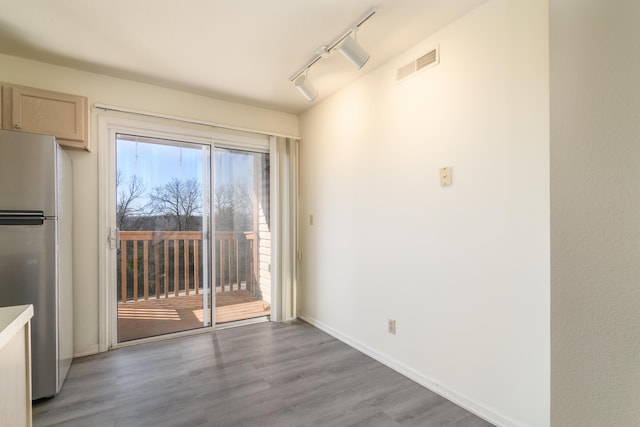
(445, 176)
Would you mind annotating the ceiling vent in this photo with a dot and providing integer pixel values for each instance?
(427, 60)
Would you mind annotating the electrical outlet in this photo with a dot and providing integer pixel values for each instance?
(391, 327)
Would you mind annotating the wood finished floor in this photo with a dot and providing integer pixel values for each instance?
(266, 374)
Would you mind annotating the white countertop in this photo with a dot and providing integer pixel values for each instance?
(12, 319)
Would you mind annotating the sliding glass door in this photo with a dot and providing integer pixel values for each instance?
(163, 255)
(242, 235)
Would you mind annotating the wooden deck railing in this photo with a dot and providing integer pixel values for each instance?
(161, 264)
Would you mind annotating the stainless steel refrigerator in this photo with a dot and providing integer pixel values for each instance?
(36, 249)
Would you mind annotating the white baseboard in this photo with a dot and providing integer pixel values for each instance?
(87, 351)
(460, 400)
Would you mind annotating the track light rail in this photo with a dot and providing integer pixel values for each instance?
(332, 46)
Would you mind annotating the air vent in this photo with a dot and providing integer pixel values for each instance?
(425, 61)
(406, 71)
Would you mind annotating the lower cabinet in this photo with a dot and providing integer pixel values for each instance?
(15, 366)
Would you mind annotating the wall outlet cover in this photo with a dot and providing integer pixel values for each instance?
(445, 176)
(391, 326)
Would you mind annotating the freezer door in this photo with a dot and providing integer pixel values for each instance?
(28, 274)
(28, 167)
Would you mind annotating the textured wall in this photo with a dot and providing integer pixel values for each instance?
(595, 213)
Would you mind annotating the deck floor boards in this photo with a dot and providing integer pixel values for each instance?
(266, 374)
(153, 317)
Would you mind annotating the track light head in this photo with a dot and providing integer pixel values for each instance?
(354, 52)
(346, 44)
(305, 87)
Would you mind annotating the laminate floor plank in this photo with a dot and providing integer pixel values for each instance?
(379, 419)
(265, 374)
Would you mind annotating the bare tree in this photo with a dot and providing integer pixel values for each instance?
(128, 205)
(233, 205)
(178, 202)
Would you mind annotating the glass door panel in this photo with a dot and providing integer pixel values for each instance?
(242, 244)
(162, 211)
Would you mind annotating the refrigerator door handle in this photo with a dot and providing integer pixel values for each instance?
(114, 238)
(22, 217)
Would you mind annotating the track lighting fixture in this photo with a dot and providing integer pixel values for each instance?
(346, 44)
(353, 52)
(305, 87)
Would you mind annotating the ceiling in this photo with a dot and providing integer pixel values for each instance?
(238, 50)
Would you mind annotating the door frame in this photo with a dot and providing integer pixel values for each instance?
(110, 124)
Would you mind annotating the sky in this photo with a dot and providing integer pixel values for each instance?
(156, 162)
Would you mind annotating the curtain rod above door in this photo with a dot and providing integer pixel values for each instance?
(107, 107)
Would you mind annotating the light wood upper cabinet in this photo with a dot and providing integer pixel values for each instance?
(65, 116)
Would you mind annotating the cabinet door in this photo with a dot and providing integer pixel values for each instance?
(51, 113)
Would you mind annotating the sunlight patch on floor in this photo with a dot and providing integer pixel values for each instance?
(148, 314)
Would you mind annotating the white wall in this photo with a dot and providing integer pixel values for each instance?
(107, 90)
(595, 213)
(465, 269)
